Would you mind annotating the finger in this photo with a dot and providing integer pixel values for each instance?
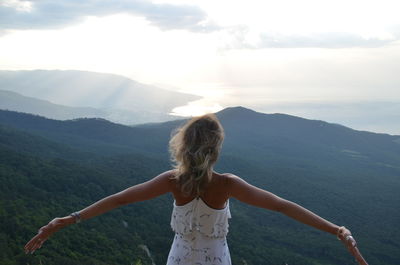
(30, 248)
(359, 257)
(41, 244)
(354, 252)
(32, 245)
(36, 245)
(27, 245)
(33, 249)
(31, 242)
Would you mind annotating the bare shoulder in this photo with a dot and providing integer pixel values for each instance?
(171, 180)
(231, 182)
(167, 176)
(165, 179)
(240, 189)
(227, 175)
(230, 178)
(238, 186)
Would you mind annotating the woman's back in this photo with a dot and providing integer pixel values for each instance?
(214, 195)
(201, 225)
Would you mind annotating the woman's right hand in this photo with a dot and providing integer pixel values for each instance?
(348, 240)
(45, 232)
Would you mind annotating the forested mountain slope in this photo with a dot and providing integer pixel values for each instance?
(50, 168)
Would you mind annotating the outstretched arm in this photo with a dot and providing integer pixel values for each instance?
(252, 195)
(243, 191)
(141, 192)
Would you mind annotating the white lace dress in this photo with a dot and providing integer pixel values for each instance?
(200, 234)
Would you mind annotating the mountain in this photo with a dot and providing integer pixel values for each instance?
(16, 102)
(53, 93)
(272, 134)
(48, 167)
(94, 135)
(292, 136)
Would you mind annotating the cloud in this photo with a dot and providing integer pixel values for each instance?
(321, 40)
(45, 14)
(239, 39)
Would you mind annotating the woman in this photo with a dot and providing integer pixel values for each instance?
(201, 207)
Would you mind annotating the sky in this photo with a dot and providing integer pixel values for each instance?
(336, 61)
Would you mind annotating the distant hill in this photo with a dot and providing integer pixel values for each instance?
(52, 93)
(349, 177)
(16, 102)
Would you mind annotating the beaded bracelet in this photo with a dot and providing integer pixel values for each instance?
(339, 231)
(77, 217)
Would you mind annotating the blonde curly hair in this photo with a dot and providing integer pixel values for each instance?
(194, 149)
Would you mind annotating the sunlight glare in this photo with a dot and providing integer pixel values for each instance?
(212, 94)
(197, 108)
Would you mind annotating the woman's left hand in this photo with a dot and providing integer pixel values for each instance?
(44, 233)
